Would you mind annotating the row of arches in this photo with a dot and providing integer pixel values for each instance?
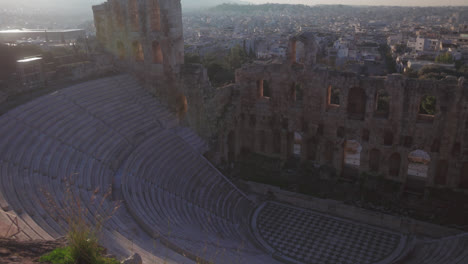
(418, 160)
(418, 163)
(357, 100)
(138, 52)
(154, 13)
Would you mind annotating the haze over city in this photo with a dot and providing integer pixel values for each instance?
(85, 5)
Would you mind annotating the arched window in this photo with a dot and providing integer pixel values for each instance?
(263, 89)
(266, 89)
(356, 103)
(133, 13)
(300, 52)
(394, 165)
(157, 53)
(333, 97)
(352, 153)
(418, 164)
(382, 106)
(121, 50)
(374, 160)
(297, 144)
(427, 108)
(138, 51)
(155, 15)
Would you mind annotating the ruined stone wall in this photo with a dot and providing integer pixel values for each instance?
(327, 117)
(146, 37)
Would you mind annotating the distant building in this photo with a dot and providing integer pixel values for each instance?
(463, 28)
(58, 36)
(31, 72)
(395, 39)
(462, 40)
(426, 44)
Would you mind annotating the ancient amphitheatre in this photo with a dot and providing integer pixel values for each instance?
(142, 134)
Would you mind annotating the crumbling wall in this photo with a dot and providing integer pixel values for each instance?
(145, 37)
(386, 134)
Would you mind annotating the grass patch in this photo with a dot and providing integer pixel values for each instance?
(65, 255)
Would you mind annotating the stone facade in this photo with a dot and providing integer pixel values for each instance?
(146, 38)
(337, 119)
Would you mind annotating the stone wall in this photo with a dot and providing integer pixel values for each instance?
(146, 37)
(291, 109)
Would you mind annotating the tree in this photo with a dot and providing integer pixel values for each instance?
(400, 48)
(428, 105)
(387, 54)
(444, 58)
(237, 57)
(436, 72)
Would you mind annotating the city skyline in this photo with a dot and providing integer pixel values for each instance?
(44, 4)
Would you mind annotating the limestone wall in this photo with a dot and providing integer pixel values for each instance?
(146, 37)
(299, 101)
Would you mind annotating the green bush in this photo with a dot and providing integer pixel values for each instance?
(65, 256)
(444, 58)
(58, 256)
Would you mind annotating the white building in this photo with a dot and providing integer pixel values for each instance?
(425, 44)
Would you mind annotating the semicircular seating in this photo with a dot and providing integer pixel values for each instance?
(453, 250)
(74, 141)
(179, 196)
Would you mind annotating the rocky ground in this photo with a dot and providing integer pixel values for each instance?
(25, 252)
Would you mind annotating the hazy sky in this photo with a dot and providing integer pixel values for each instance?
(369, 2)
(84, 6)
(82, 3)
